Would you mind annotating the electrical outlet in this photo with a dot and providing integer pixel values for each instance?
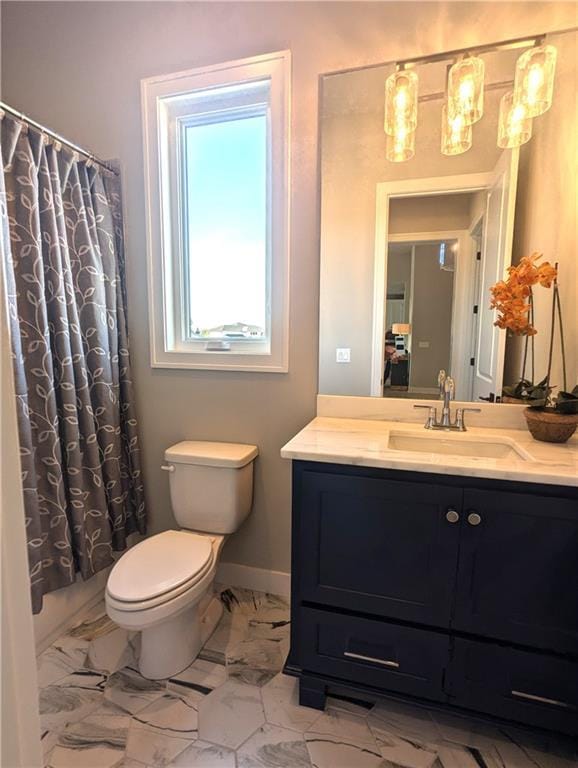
(343, 355)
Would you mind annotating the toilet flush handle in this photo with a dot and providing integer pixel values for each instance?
(168, 467)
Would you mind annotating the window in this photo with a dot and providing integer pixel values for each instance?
(216, 164)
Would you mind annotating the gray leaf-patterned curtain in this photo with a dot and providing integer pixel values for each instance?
(63, 258)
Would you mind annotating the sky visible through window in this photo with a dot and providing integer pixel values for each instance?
(226, 172)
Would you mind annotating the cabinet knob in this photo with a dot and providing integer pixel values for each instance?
(474, 518)
(452, 516)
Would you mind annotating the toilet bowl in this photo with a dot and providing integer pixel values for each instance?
(163, 586)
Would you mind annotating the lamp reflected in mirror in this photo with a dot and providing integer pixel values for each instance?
(466, 90)
(401, 146)
(534, 83)
(401, 102)
(514, 127)
(456, 133)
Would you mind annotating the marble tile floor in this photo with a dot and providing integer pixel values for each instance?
(233, 708)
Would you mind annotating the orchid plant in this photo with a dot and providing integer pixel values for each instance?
(513, 299)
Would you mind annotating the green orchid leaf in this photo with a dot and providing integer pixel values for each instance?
(567, 402)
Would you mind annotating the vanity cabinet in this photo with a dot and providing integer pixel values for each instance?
(450, 589)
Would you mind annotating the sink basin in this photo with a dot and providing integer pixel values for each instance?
(460, 444)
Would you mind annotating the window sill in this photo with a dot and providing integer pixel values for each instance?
(219, 361)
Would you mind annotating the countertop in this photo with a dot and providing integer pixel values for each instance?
(364, 443)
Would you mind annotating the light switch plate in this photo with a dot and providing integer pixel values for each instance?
(423, 344)
(343, 355)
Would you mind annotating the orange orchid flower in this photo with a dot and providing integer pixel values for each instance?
(510, 297)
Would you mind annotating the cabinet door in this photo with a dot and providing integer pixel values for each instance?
(518, 569)
(381, 547)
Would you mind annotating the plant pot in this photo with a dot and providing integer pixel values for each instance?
(549, 426)
(513, 400)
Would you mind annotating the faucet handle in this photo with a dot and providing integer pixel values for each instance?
(432, 416)
(460, 423)
(450, 387)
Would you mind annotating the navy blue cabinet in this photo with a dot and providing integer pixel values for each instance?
(382, 548)
(518, 569)
(449, 589)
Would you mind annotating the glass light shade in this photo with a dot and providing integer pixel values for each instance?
(466, 89)
(401, 146)
(401, 101)
(456, 133)
(514, 126)
(534, 82)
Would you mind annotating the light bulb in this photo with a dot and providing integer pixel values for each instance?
(456, 133)
(401, 101)
(514, 127)
(534, 82)
(401, 145)
(466, 89)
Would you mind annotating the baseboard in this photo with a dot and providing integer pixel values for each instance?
(424, 390)
(259, 579)
(64, 608)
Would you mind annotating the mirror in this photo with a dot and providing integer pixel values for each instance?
(410, 250)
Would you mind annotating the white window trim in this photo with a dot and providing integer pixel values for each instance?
(161, 283)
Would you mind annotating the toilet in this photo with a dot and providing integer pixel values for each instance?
(163, 586)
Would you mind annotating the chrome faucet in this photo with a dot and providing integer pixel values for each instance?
(447, 392)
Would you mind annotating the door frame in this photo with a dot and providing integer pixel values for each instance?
(476, 232)
(437, 185)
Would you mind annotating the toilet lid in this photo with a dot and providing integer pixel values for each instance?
(158, 565)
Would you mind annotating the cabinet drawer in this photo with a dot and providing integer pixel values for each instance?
(519, 685)
(374, 653)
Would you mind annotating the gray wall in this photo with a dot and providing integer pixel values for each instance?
(431, 318)
(77, 67)
(430, 213)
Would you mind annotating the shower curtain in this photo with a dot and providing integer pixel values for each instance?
(64, 276)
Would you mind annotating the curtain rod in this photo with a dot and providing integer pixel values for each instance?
(57, 137)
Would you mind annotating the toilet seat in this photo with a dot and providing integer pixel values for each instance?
(159, 569)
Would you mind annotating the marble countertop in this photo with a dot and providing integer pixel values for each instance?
(365, 443)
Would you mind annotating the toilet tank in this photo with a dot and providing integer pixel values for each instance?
(211, 484)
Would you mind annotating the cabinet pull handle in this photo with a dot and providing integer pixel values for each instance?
(168, 467)
(361, 657)
(474, 518)
(452, 516)
(541, 699)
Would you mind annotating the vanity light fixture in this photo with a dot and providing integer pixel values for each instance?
(514, 126)
(534, 80)
(401, 102)
(466, 89)
(456, 133)
(464, 105)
